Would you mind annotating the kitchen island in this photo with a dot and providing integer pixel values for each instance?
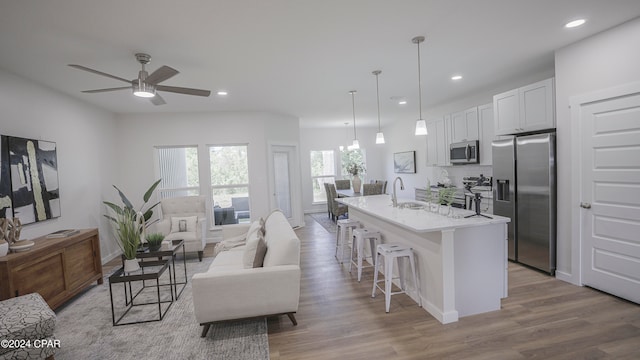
(461, 262)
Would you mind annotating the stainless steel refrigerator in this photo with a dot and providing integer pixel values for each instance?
(524, 175)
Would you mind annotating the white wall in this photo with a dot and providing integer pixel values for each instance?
(138, 134)
(330, 139)
(85, 138)
(602, 61)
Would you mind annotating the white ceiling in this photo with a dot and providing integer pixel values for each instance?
(297, 57)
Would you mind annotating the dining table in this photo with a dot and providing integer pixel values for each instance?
(347, 193)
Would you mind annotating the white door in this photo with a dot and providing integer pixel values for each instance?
(610, 192)
(284, 165)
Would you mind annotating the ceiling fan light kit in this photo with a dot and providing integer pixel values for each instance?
(146, 84)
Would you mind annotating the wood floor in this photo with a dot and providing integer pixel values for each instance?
(543, 318)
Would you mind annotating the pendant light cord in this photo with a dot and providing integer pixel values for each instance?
(353, 106)
(419, 82)
(378, 97)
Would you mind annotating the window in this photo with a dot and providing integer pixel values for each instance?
(322, 171)
(351, 156)
(230, 183)
(178, 169)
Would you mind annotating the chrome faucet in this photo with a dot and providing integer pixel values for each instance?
(394, 197)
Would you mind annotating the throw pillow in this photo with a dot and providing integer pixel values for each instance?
(183, 224)
(254, 251)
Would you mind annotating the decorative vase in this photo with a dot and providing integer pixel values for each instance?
(356, 183)
(4, 248)
(131, 265)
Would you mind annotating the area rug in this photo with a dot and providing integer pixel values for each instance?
(85, 330)
(323, 219)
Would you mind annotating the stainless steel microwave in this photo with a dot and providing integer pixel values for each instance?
(467, 152)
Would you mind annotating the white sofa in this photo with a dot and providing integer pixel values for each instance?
(192, 208)
(229, 290)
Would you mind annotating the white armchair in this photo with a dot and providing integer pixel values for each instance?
(185, 218)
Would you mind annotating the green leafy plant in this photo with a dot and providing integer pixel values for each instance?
(445, 195)
(128, 221)
(355, 168)
(155, 239)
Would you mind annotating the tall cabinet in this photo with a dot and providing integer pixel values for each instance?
(437, 142)
(529, 108)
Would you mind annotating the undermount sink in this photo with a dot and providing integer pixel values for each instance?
(411, 205)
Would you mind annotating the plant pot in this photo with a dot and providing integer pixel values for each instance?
(155, 247)
(4, 248)
(131, 265)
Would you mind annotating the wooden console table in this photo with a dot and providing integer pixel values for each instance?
(57, 269)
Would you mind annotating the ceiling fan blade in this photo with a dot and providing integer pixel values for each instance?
(80, 67)
(161, 74)
(182, 90)
(105, 90)
(157, 100)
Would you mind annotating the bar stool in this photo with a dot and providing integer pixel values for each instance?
(342, 236)
(359, 236)
(389, 252)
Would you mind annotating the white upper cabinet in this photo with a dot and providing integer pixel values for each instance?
(529, 108)
(485, 122)
(464, 125)
(437, 143)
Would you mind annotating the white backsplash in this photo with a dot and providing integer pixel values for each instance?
(456, 173)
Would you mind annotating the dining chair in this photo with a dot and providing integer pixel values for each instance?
(337, 209)
(371, 189)
(343, 184)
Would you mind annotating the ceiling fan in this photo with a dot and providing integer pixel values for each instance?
(146, 84)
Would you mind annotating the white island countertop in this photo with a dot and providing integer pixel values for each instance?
(419, 220)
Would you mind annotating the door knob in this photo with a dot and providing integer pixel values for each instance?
(585, 205)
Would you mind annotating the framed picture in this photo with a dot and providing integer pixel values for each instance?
(404, 162)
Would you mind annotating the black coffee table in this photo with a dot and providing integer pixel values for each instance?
(168, 249)
(149, 270)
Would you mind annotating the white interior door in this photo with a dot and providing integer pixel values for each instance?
(610, 194)
(285, 179)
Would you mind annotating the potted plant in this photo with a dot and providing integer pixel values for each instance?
(155, 241)
(130, 224)
(445, 197)
(355, 169)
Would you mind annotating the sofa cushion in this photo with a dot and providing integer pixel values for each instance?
(283, 246)
(254, 251)
(227, 260)
(183, 224)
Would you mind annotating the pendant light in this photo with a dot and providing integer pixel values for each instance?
(379, 135)
(421, 125)
(346, 132)
(356, 144)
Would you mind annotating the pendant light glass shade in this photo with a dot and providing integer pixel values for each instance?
(356, 144)
(379, 135)
(421, 125)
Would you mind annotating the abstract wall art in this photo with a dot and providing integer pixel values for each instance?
(33, 174)
(404, 162)
(5, 179)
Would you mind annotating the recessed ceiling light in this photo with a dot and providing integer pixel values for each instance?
(222, 93)
(402, 102)
(575, 23)
(456, 77)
